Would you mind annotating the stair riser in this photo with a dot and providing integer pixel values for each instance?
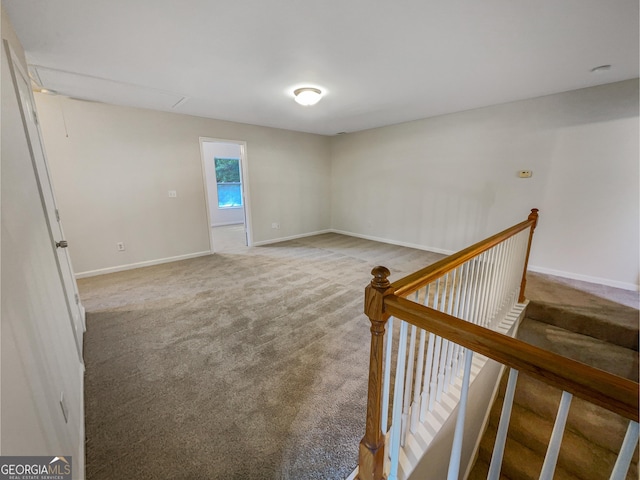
(593, 326)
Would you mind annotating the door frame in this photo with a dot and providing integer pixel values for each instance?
(244, 171)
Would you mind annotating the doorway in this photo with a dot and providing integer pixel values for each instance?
(224, 168)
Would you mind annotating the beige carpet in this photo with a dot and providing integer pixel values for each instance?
(246, 365)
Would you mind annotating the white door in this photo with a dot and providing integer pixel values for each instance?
(41, 399)
(34, 137)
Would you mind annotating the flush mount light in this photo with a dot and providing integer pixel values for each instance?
(307, 95)
(601, 69)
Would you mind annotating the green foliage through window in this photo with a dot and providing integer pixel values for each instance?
(227, 170)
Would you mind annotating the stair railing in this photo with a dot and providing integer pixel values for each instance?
(455, 307)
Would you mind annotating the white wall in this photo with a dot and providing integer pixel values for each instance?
(446, 182)
(439, 183)
(211, 151)
(113, 166)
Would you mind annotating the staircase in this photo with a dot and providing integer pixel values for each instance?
(593, 435)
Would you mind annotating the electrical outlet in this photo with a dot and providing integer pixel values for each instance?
(120, 246)
(173, 193)
(275, 225)
(525, 173)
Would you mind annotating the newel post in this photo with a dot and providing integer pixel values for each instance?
(371, 457)
(533, 216)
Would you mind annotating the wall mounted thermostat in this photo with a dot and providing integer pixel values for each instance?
(525, 173)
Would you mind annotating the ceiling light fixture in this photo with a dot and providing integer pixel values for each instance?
(601, 69)
(307, 95)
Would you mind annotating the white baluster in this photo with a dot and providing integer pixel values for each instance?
(461, 354)
(517, 267)
(464, 290)
(550, 460)
(511, 290)
(449, 367)
(451, 310)
(386, 381)
(436, 296)
(477, 296)
(460, 312)
(456, 449)
(457, 306)
(495, 302)
(427, 377)
(503, 426)
(500, 300)
(522, 253)
(506, 290)
(452, 283)
(396, 418)
(441, 368)
(626, 453)
(488, 301)
(497, 299)
(417, 390)
(504, 276)
(471, 294)
(407, 385)
(456, 366)
(489, 293)
(425, 300)
(433, 384)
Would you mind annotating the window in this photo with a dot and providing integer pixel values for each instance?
(228, 182)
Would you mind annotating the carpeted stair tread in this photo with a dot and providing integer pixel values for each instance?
(604, 428)
(592, 351)
(578, 455)
(617, 325)
(519, 462)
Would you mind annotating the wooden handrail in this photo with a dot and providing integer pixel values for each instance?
(609, 391)
(416, 280)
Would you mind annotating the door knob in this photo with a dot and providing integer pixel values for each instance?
(62, 244)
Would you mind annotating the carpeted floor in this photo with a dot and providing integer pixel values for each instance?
(244, 365)
(248, 364)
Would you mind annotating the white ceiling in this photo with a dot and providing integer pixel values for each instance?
(380, 62)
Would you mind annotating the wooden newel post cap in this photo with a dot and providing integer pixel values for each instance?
(534, 215)
(380, 280)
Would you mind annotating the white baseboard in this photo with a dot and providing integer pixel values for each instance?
(131, 266)
(585, 278)
(395, 242)
(533, 268)
(292, 237)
